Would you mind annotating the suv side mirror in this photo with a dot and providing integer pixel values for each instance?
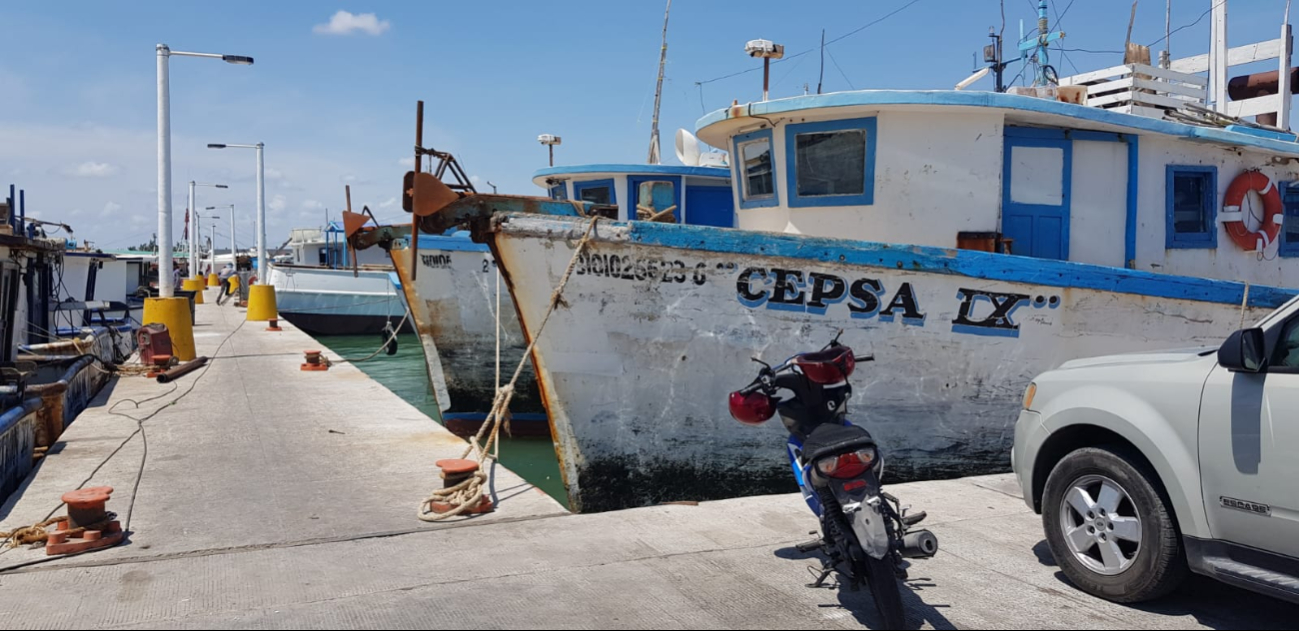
(1244, 351)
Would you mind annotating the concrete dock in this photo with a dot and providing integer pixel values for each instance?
(275, 498)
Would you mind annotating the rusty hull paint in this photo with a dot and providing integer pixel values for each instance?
(458, 335)
(49, 424)
(432, 362)
(574, 503)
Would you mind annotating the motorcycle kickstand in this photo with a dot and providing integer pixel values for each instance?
(821, 575)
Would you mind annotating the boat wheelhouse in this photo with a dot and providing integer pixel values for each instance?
(700, 195)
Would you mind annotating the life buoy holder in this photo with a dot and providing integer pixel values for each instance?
(1233, 217)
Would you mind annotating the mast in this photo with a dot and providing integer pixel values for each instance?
(658, 91)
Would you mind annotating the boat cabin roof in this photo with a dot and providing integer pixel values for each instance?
(602, 171)
(720, 126)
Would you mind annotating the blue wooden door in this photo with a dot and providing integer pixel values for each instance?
(710, 206)
(1035, 193)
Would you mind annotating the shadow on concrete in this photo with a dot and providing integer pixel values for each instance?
(101, 399)
(1213, 604)
(860, 603)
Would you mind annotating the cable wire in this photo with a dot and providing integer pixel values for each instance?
(1180, 28)
(811, 50)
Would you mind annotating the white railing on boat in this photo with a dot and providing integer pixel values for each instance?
(1152, 91)
(1141, 89)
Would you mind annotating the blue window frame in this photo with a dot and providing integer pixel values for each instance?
(633, 190)
(831, 163)
(1191, 207)
(559, 191)
(1289, 246)
(755, 169)
(599, 192)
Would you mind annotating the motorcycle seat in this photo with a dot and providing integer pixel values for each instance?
(829, 439)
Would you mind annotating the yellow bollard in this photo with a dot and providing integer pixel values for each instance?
(261, 306)
(173, 312)
(213, 280)
(195, 285)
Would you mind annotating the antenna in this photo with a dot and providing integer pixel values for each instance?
(658, 91)
(972, 78)
(821, 77)
(687, 148)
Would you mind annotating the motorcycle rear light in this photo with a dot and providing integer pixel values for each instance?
(827, 367)
(754, 408)
(849, 465)
(854, 485)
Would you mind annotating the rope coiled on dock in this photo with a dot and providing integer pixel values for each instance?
(36, 532)
(469, 493)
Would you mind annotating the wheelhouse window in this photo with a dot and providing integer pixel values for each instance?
(559, 192)
(598, 192)
(758, 180)
(756, 167)
(1191, 207)
(831, 163)
(657, 200)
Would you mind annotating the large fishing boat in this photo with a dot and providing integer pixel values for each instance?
(969, 240)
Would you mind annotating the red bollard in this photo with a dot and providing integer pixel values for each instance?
(86, 507)
(314, 361)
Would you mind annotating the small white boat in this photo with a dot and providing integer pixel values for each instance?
(317, 289)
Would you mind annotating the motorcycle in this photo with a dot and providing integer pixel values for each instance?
(866, 534)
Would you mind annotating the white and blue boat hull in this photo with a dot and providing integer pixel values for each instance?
(660, 322)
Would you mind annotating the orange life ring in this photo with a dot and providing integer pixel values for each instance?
(1270, 226)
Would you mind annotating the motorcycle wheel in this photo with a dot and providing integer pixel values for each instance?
(885, 592)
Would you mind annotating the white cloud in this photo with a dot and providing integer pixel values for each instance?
(92, 169)
(312, 204)
(392, 201)
(475, 179)
(409, 163)
(349, 178)
(347, 23)
(277, 203)
(274, 174)
(110, 209)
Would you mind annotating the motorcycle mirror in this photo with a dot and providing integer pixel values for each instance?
(835, 342)
(764, 364)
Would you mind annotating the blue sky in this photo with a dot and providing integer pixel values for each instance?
(336, 106)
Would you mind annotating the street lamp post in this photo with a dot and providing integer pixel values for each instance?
(211, 242)
(234, 262)
(261, 206)
(166, 289)
(193, 210)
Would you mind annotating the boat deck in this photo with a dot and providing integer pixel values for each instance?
(253, 513)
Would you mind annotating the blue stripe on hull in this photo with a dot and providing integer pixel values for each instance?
(970, 263)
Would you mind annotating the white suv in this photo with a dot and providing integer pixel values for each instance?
(1146, 466)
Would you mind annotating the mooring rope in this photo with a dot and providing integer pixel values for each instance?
(467, 494)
